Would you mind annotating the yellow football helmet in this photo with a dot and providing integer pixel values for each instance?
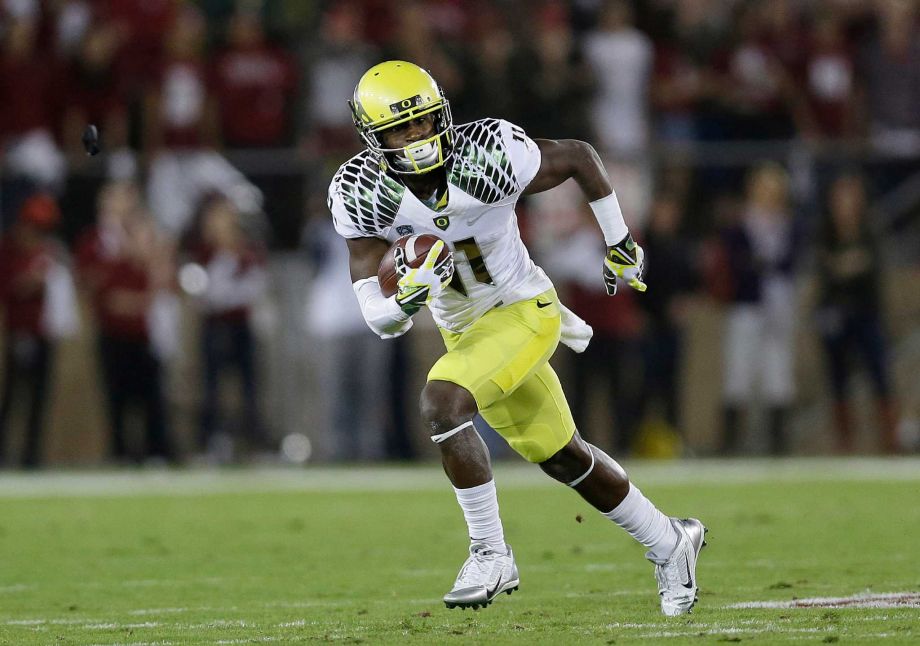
(392, 93)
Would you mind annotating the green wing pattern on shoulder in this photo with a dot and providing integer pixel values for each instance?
(370, 196)
(481, 166)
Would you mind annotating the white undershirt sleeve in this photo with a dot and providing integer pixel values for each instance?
(382, 314)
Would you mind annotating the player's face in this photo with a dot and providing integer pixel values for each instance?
(409, 132)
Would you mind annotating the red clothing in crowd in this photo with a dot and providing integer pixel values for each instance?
(27, 98)
(751, 71)
(255, 89)
(124, 276)
(95, 250)
(610, 317)
(674, 66)
(23, 300)
(829, 79)
(183, 89)
(236, 284)
(145, 23)
(98, 97)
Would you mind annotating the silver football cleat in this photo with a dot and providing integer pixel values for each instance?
(485, 575)
(676, 576)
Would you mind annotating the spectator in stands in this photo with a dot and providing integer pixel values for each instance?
(678, 88)
(71, 19)
(784, 30)
(254, 86)
(828, 78)
(554, 84)
(349, 362)
(893, 91)
(335, 60)
(28, 104)
(144, 25)
(419, 37)
(751, 83)
(39, 307)
(671, 269)
(131, 368)
(760, 252)
(118, 202)
(98, 249)
(492, 63)
(850, 310)
(181, 135)
(236, 281)
(620, 57)
(96, 94)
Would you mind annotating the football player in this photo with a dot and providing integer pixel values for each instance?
(498, 313)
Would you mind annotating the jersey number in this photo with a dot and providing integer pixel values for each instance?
(477, 263)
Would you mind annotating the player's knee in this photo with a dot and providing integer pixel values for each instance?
(445, 405)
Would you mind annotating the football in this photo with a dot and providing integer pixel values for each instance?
(416, 247)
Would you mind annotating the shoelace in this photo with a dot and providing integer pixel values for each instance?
(479, 563)
(669, 574)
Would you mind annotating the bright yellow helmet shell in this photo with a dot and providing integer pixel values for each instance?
(392, 93)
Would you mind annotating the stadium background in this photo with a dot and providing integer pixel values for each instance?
(217, 112)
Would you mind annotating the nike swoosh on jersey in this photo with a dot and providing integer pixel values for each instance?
(539, 304)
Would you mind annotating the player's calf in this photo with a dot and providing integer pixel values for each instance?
(447, 412)
(590, 471)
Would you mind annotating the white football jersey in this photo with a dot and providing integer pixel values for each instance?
(492, 164)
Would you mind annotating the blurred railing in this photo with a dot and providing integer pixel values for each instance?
(805, 161)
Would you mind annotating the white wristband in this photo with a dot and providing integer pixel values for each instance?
(610, 218)
(383, 315)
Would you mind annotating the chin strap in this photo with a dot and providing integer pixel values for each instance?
(577, 481)
(437, 439)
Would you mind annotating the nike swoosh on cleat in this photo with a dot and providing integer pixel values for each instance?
(491, 593)
(539, 304)
(689, 584)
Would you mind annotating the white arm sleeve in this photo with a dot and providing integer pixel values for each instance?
(610, 218)
(382, 314)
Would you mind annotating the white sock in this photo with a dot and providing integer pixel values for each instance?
(480, 508)
(642, 520)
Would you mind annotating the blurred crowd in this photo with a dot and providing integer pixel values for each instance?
(748, 141)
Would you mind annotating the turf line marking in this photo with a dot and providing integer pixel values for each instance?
(157, 611)
(865, 600)
(293, 624)
(734, 631)
(114, 625)
(16, 587)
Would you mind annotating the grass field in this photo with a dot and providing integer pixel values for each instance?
(363, 555)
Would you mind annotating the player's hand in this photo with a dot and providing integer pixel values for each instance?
(417, 286)
(624, 260)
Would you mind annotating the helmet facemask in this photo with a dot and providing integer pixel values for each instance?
(419, 157)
